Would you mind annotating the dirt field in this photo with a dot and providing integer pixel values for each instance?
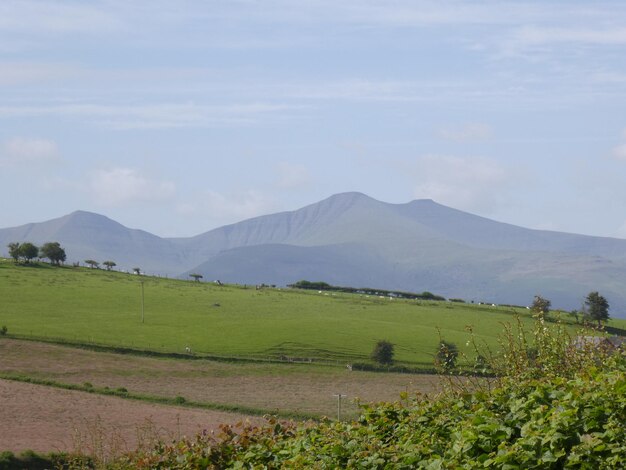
(47, 419)
(271, 387)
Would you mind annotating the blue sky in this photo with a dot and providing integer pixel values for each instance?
(181, 116)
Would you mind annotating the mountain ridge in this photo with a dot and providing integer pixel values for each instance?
(351, 238)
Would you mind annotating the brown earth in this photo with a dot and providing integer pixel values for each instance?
(271, 387)
(48, 419)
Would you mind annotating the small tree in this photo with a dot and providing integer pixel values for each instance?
(541, 306)
(597, 307)
(54, 252)
(197, 277)
(137, 271)
(383, 353)
(14, 251)
(28, 251)
(446, 355)
(109, 265)
(92, 263)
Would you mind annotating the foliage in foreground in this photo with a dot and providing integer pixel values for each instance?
(554, 405)
(561, 422)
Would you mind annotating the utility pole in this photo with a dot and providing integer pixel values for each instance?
(339, 398)
(142, 303)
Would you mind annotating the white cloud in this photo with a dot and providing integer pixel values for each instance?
(229, 208)
(119, 186)
(471, 183)
(20, 73)
(291, 176)
(531, 35)
(155, 116)
(619, 152)
(22, 151)
(468, 132)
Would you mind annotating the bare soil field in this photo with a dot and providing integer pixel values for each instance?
(271, 387)
(47, 419)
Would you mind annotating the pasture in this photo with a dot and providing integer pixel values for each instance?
(94, 306)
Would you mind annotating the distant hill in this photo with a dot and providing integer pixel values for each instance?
(352, 239)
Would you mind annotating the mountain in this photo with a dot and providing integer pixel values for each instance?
(354, 240)
(86, 235)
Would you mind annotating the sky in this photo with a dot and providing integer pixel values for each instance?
(177, 117)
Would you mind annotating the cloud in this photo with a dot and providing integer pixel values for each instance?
(619, 152)
(471, 183)
(19, 73)
(531, 35)
(291, 176)
(27, 151)
(120, 186)
(468, 132)
(228, 208)
(156, 116)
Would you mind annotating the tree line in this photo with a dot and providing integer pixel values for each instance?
(27, 251)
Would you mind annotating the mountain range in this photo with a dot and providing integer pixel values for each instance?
(353, 240)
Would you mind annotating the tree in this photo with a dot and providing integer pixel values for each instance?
(197, 277)
(446, 356)
(92, 263)
(109, 265)
(53, 251)
(14, 251)
(541, 306)
(383, 353)
(597, 307)
(137, 271)
(28, 251)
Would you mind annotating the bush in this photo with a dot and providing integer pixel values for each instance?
(3, 330)
(383, 353)
(446, 356)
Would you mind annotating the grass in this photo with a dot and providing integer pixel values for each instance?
(95, 306)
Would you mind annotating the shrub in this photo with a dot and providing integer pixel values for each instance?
(3, 330)
(180, 400)
(446, 356)
(383, 352)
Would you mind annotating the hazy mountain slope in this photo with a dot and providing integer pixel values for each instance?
(478, 231)
(493, 276)
(285, 264)
(86, 235)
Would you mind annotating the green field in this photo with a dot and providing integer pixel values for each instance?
(88, 305)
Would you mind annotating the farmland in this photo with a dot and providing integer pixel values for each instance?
(94, 306)
(251, 352)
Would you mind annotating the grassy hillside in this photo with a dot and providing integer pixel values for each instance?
(83, 305)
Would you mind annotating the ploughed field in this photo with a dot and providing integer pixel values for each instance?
(299, 390)
(50, 418)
